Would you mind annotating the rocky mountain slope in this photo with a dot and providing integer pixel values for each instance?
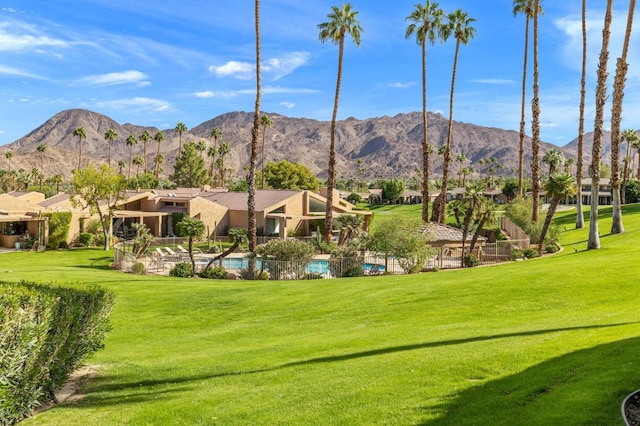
(387, 146)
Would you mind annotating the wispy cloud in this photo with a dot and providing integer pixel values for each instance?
(18, 72)
(20, 37)
(274, 68)
(288, 105)
(267, 90)
(499, 81)
(401, 85)
(139, 103)
(115, 78)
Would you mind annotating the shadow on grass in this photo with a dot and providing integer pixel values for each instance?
(111, 384)
(583, 387)
(102, 263)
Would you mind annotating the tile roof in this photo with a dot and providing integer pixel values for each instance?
(441, 232)
(238, 200)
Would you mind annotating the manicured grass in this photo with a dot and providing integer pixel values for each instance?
(542, 342)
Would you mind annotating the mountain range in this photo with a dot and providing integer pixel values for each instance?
(387, 146)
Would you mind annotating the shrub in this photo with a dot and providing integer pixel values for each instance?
(138, 268)
(517, 254)
(551, 248)
(354, 198)
(86, 239)
(470, 261)
(215, 273)
(345, 260)
(297, 253)
(59, 224)
(530, 253)
(63, 245)
(53, 329)
(181, 270)
(353, 272)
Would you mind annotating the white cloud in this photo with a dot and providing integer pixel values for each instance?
(140, 103)
(274, 68)
(286, 64)
(239, 70)
(499, 81)
(288, 104)
(18, 73)
(401, 85)
(205, 94)
(114, 78)
(15, 37)
(267, 90)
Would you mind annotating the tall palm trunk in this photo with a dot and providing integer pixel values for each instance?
(535, 122)
(130, 161)
(625, 174)
(522, 110)
(425, 141)
(255, 134)
(601, 99)
(583, 92)
(331, 179)
(547, 222)
(447, 151)
(264, 133)
(156, 167)
(617, 227)
(109, 155)
(79, 152)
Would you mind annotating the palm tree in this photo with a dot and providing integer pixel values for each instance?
(211, 153)
(158, 137)
(617, 226)
(601, 99)
(80, 133)
(459, 25)
(110, 136)
(223, 150)
(57, 179)
(583, 93)
(192, 228)
(460, 159)
(131, 142)
(159, 161)
(238, 237)
(426, 24)
(8, 155)
(201, 147)
(138, 161)
(145, 137)
(630, 137)
(554, 159)
(41, 149)
(471, 200)
(121, 166)
(265, 121)
(180, 129)
(535, 122)
(524, 7)
(342, 21)
(558, 187)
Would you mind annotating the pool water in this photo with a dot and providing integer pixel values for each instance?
(317, 266)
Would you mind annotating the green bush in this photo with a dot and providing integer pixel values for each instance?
(470, 261)
(138, 268)
(354, 198)
(181, 270)
(53, 329)
(59, 224)
(216, 273)
(530, 253)
(551, 248)
(353, 272)
(86, 239)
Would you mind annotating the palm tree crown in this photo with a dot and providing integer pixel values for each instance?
(80, 133)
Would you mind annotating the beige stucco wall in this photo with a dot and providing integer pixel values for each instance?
(214, 216)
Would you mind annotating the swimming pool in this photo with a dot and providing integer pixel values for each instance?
(316, 266)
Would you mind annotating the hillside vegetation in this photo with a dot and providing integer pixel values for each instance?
(547, 341)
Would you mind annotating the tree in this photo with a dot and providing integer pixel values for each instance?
(286, 175)
(558, 187)
(535, 121)
(80, 133)
(426, 24)
(392, 189)
(460, 159)
(41, 149)
(110, 136)
(223, 150)
(471, 200)
(404, 239)
(342, 21)
(189, 170)
(57, 180)
(601, 99)
(180, 129)
(238, 237)
(583, 93)
(631, 138)
(145, 137)
(201, 147)
(216, 134)
(121, 166)
(459, 25)
(350, 227)
(158, 137)
(510, 188)
(192, 228)
(138, 161)
(617, 226)
(131, 142)
(8, 155)
(99, 189)
(265, 121)
(554, 159)
(524, 7)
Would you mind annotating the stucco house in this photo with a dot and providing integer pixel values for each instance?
(21, 219)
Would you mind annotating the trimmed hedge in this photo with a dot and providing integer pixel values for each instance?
(59, 224)
(46, 331)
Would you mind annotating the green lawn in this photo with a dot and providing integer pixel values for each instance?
(551, 341)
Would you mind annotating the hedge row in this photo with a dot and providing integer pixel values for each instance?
(46, 331)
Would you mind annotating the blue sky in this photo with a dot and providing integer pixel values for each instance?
(157, 63)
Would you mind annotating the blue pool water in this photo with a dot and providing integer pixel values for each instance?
(318, 266)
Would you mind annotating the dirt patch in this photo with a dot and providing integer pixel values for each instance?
(69, 394)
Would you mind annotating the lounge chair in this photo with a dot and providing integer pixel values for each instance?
(181, 249)
(376, 269)
(170, 251)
